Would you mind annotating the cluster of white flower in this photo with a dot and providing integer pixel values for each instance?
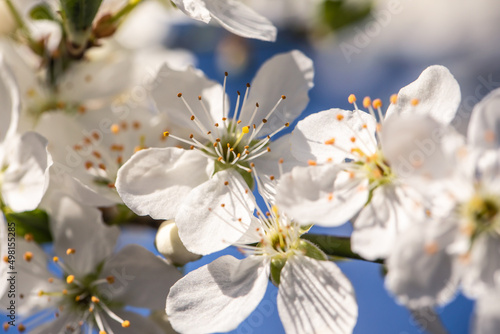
(90, 140)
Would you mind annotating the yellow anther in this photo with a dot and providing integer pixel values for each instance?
(126, 324)
(353, 139)
(115, 128)
(166, 133)
(179, 95)
(245, 129)
(102, 332)
(28, 237)
(110, 279)
(283, 97)
(394, 98)
(377, 103)
(367, 102)
(431, 248)
(351, 98)
(28, 256)
(311, 163)
(77, 298)
(21, 328)
(70, 279)
(55, 259)
(330, 196)
(489, 136)
(340, 117)
(71, 250)
(40, 293)
(414, 102)
(51, 280)
(65, 292)
(94, 299)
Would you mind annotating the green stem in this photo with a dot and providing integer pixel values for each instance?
(125, 10)
(335, 246)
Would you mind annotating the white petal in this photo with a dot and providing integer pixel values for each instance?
(484, 124)
(391, 210)
(241, 19)
(483, 271)
(63, 183)
(31, 277)
(26, 178)
(219, 296)
(324, 195)
(487, 313)
(191, 83)
(82, 229)
(281, 150)
(141, 278)
(194, 8)
(290, 74)
(90, 79)
(66, 321)
(9, 95)
(156, 181)
(436, 90)
(322, 137)
(419, 145)
(421, 272)
(215, 215)
(315, 297)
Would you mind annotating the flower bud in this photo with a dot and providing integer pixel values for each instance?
(170, 245)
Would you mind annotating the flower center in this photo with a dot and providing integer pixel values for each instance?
(482, 214)
(82, 297)
(102, 153)
(377, 170)
(226, 141)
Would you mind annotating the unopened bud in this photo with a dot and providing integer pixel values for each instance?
(170, 245)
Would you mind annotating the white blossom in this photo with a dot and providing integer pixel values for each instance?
(196, 187)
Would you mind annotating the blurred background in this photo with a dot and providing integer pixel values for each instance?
(368, 48)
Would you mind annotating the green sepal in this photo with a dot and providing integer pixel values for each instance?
(340, 14)
(80, 13)
(34, 222)
(334, 246)
(310, 250)
(42, 11)
(277, 264)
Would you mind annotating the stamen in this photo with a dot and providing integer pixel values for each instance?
(224, 95)
(394, 98)
(28, 256)
(193, 118)
(254, 113)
